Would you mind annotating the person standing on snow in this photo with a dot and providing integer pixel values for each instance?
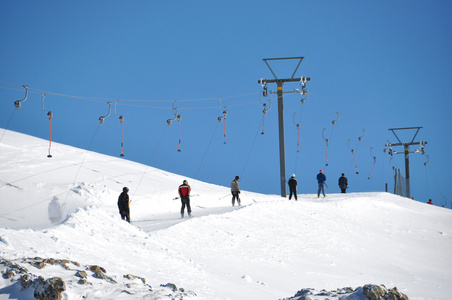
(293, 187)
(184, 193)
(235, 190)
(55, 211)
(430, 201)
(123, 204)
(321, 178)
(343, 183)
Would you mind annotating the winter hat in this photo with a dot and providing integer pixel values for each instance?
(237, 177)
(293, 175)
(185, 181)
(321, 171)
(125, 189)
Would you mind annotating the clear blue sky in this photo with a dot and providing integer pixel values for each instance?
(381, 65)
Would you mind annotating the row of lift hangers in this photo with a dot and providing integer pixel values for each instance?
(17, 105)
(304, 93)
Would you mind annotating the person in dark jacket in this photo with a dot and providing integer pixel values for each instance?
(123, 204)
(343, 183)
(321, 178)
(292, 187)
(235, 190)
(184, 193)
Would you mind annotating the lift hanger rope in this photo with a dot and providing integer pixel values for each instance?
(121, 120)
(49, 116)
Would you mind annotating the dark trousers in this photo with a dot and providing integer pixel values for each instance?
(294, 192)
(125, 216)
(185, 202)
(321, 188)
(235, 195)
(343, 190)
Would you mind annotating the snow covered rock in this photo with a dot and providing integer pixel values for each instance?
(378, 292)
(50, 289)
(368, 291)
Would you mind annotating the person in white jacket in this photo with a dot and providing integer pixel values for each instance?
(55, 211)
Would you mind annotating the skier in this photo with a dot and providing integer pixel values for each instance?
(430, 201)
(293, 187)
(184, 193)
(123, 204)
(321, 178)
(343, 183)
(55, 211)
(235, 190)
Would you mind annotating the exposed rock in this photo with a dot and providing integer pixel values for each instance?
(96, 269)
(369, 291)
(373, 292)
(53, 288)
(396, 295)
(172, 286)
(12, 270)
(132, 277)
(39, 265)
(50, 289)
(75, 263)
(5, 262)
(9, 273)
(100, 275)
(83, 281)
(25, 281)
(50, 261)
(81, 274)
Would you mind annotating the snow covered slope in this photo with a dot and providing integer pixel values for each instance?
(269, 248)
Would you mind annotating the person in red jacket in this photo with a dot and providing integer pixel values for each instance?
(184, 193)
(430, 201)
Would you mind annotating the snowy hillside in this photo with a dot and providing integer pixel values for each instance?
(269, 248)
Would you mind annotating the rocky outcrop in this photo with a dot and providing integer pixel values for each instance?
(50, 289)
(22, 272)
(368, 291)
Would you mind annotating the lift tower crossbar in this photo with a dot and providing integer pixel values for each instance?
(407, 152)
(279, 82)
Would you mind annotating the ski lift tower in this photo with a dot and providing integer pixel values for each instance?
(406, 152)
(279, 82)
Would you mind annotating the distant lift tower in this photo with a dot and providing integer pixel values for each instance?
(406, 152)
(279, 82)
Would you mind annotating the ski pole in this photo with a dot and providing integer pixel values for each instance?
(189, 196)
(223, 197)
